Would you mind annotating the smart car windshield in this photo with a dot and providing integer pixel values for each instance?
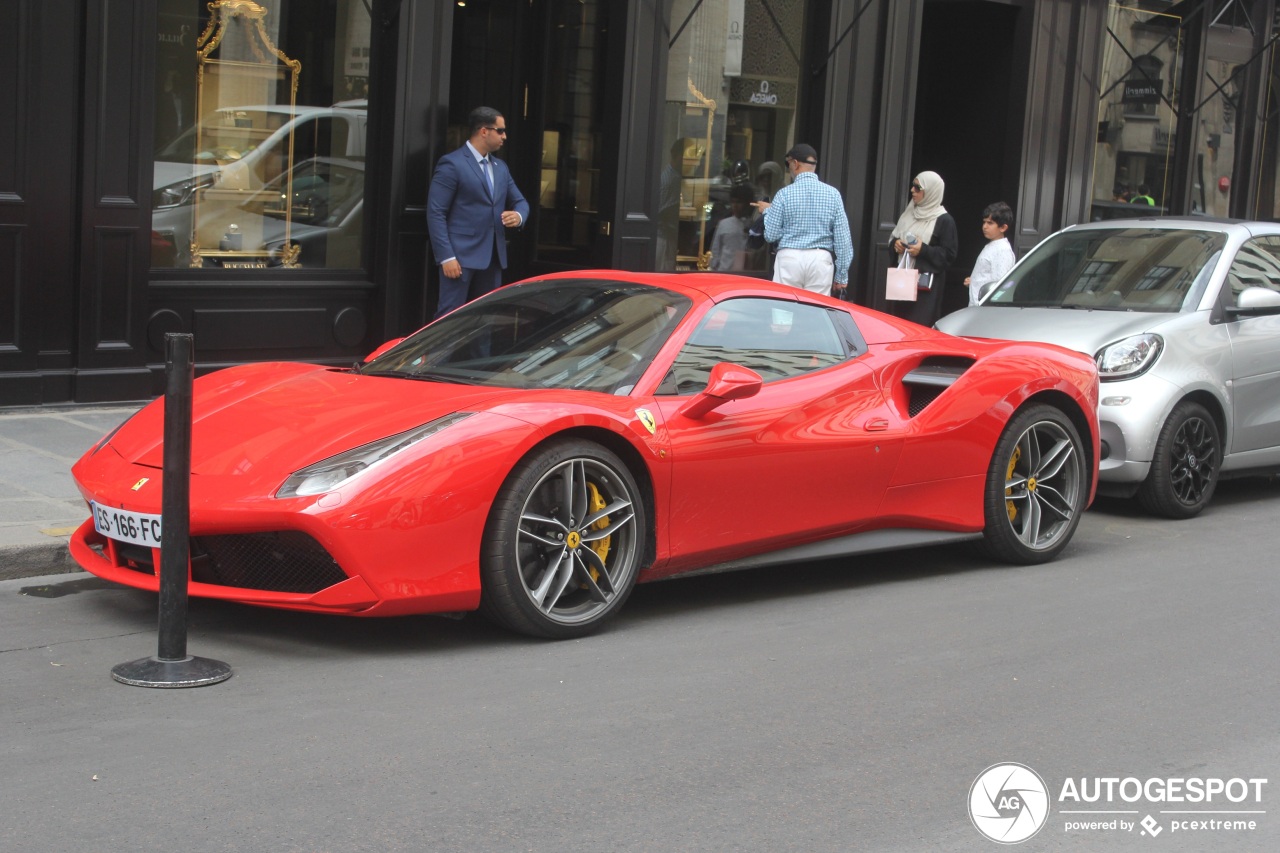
(1115, 269)
(584, 334)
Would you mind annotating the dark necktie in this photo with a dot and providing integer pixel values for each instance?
(486, 168)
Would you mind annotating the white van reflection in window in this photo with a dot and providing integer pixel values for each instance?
(245, 150)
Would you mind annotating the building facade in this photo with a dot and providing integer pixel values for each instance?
(255, 172)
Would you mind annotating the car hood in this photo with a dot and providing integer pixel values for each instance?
(280, 417)
(1083, 331)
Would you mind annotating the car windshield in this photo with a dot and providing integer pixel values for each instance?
(1114, 269)
(584, 334)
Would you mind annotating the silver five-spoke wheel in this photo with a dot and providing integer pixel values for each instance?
(1036, 487)
(564, 541)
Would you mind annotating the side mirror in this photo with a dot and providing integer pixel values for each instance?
(380, 350)
(727, 382)
(1255, 302)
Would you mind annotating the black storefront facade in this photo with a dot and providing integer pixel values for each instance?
(328, 115)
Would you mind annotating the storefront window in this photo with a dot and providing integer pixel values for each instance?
(1230, 51)
(1141, 67)
(260, 134)
(1267, 204)
(733, 76)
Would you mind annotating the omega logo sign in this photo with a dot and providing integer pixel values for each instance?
(764, 96)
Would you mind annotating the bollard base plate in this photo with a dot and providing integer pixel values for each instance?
(186, 672)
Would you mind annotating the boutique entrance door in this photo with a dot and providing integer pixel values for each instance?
(553, 68)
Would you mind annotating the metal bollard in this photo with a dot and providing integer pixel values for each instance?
(171, 666)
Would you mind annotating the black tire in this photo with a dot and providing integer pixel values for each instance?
(1185, 464)
(1037, 487)
(564, 542)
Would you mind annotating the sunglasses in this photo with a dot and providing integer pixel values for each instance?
(501, 131)
(916, 188)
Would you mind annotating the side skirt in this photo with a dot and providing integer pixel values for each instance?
(871, 542)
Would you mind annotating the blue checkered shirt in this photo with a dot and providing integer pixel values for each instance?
(809, 214)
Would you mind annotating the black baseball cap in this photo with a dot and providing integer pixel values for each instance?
(802, 153)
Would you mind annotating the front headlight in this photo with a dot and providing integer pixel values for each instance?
(1128, 358)
(179, 193)
(328, 474)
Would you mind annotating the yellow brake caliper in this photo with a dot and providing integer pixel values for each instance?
(600, 546)
(1010, 506)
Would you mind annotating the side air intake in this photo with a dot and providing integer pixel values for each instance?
(927, 382)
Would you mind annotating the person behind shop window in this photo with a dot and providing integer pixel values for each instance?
(669, 182)
(1143, 196)
(728, 246)
(471, 201)
(770, 179)
(761, 254)
(738, 175)
(807, 220)
(996, 258)
(933, 249)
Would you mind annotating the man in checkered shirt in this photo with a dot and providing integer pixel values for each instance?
(808, 222)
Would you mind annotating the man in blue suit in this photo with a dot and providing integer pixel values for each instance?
(471, 200)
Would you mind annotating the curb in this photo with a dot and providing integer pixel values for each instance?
(29, 561)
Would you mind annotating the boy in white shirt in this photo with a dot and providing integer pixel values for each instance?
(996, 258)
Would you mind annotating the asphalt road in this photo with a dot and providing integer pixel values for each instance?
(827, 707)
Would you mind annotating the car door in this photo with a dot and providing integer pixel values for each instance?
(807, 457)
(1255, 350)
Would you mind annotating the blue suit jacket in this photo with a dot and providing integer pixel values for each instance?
(464, 220)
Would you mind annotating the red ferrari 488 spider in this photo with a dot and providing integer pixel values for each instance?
(539, 451)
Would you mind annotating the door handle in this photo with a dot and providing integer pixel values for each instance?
(876, 424)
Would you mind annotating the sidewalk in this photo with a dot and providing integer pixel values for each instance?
(39, 504)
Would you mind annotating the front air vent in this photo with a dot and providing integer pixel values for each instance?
(283, 561)
(927, 382)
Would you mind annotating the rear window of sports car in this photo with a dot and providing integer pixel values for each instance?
(1114, 269)
(580, 334)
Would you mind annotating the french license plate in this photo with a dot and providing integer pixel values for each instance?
(140, 528)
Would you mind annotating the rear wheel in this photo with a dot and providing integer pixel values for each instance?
(1036, 487)
(563, 543)
(1185, 465)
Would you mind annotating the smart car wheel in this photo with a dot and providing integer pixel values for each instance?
(563, 543)
(1036, 487)
(1184, 467)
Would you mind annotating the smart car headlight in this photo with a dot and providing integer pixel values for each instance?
(328, 474)
(1128, 358)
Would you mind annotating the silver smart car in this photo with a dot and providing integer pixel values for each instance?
(1183, 318)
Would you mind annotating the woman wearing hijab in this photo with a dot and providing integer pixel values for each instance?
(934, 248)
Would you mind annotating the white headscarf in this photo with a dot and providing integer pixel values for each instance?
(918, 219)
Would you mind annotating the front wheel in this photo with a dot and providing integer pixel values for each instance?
(563, 543)
(1185, 465)
(1036, 487)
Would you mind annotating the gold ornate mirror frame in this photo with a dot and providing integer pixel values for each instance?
(268, 61)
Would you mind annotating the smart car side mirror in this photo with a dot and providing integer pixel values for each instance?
(1255, 302)
(380, 350)
(727, 382)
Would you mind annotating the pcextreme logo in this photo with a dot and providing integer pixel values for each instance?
(1009, 803)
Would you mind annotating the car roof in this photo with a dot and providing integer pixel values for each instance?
(712, 285)
(301, 110)
(875, 326)
(1188, 223)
